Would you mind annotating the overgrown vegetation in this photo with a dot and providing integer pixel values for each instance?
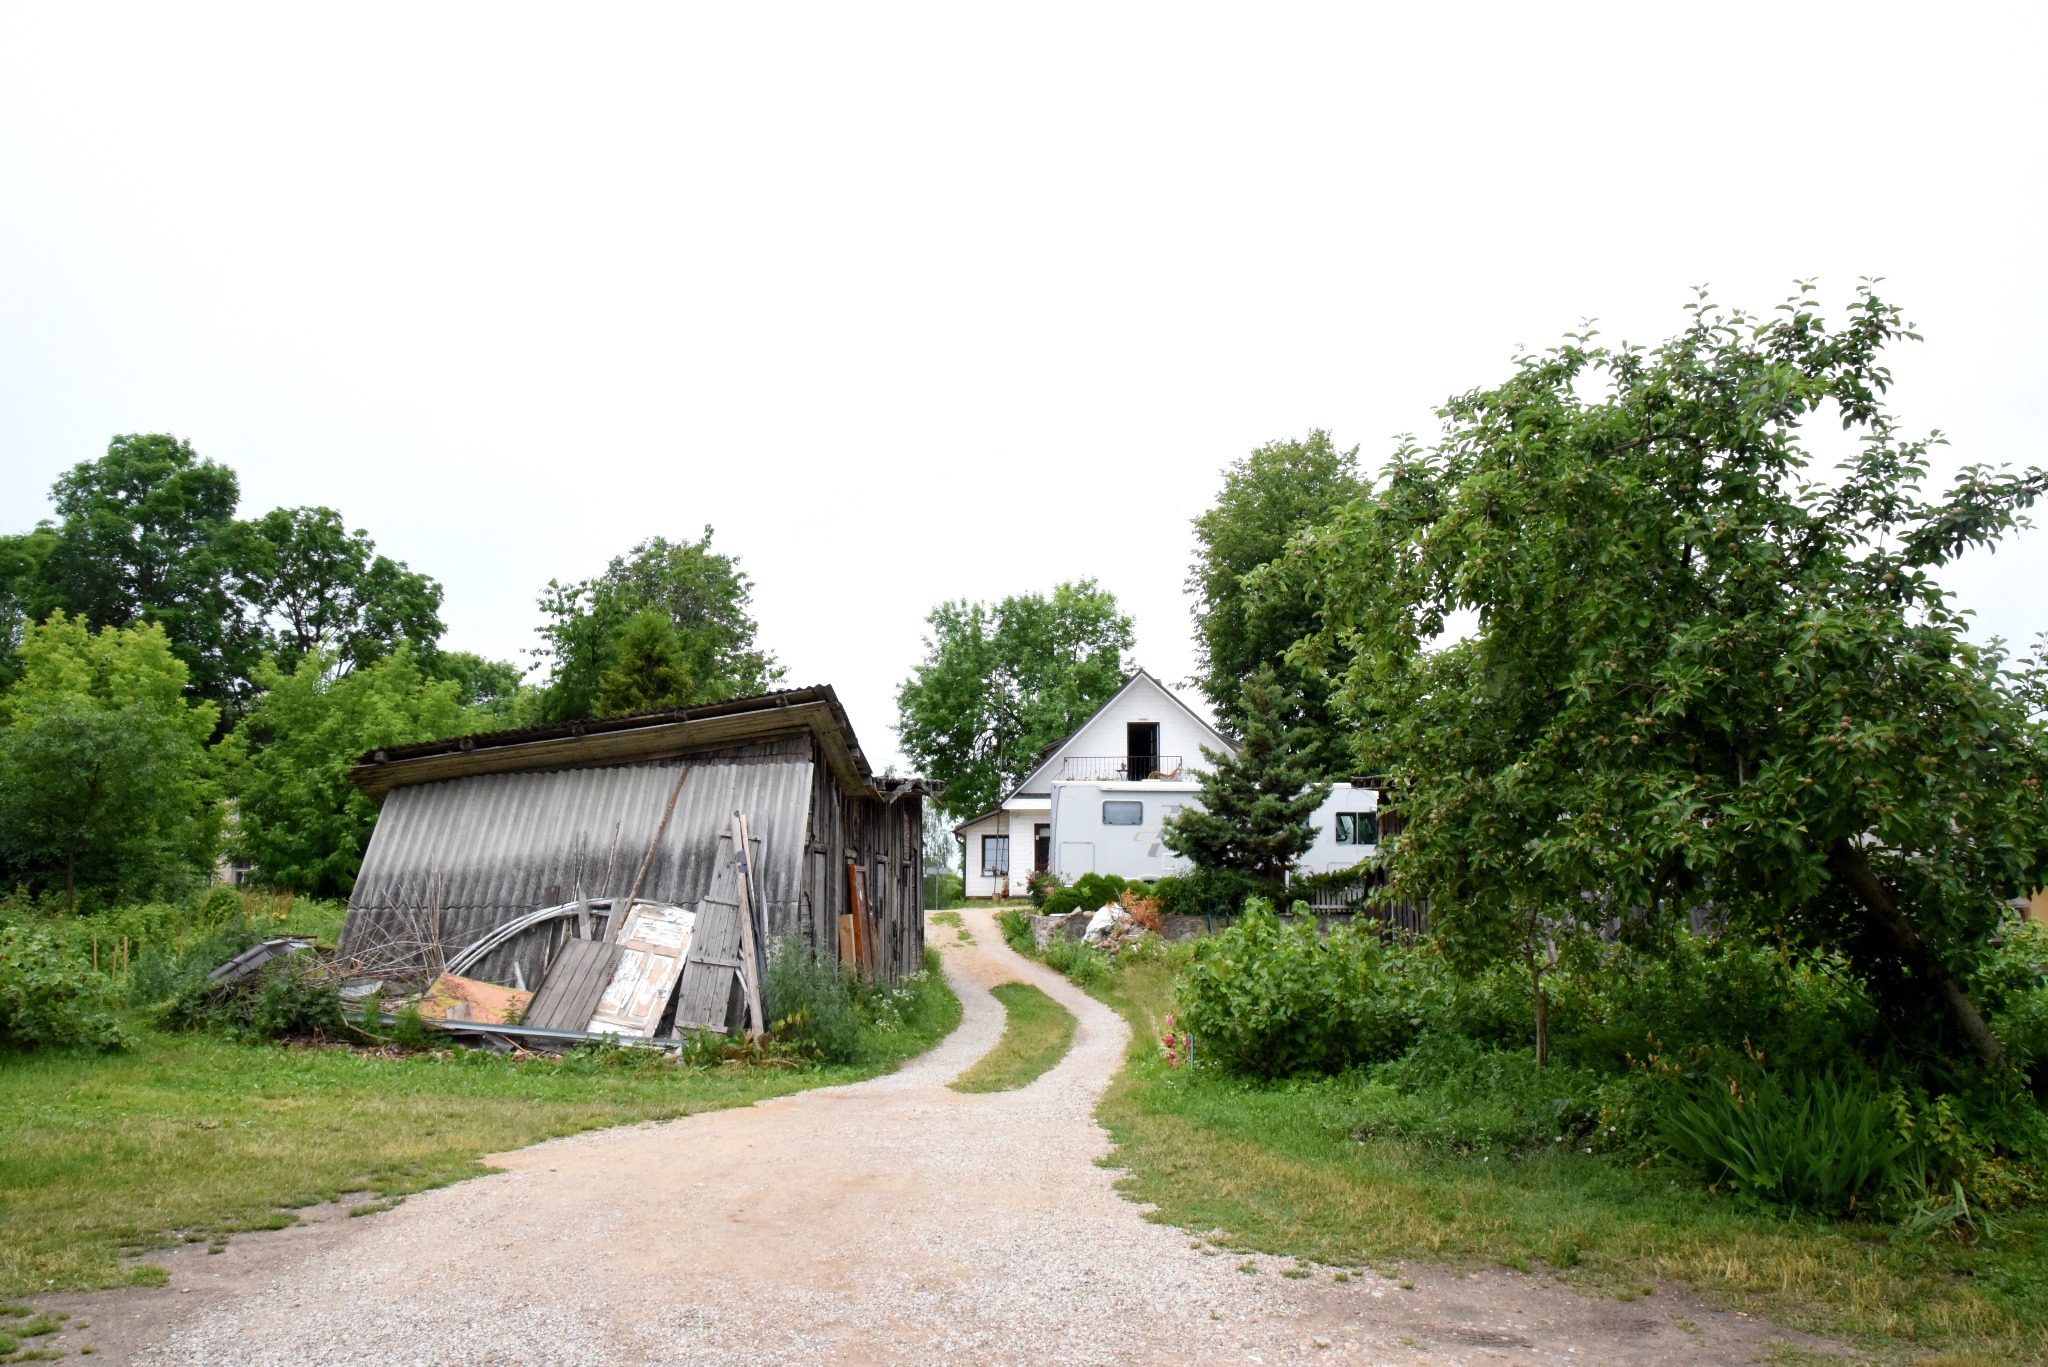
(1037, 1032)
(1454, 1147)
(830, 1016)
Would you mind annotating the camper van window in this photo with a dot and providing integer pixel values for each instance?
(1358, 828)
(1123, 813)
(995, 855)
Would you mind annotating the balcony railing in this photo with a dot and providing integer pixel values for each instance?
(1117, 768)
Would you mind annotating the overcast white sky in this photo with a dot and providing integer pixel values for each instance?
(920, 303)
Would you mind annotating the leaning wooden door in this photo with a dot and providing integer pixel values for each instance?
(652, 945)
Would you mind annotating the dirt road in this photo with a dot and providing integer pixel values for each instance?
(894, 1221)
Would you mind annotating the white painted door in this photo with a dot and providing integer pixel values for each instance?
(653, 944)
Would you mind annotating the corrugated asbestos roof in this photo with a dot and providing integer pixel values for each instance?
(638, 738)
(467, 854)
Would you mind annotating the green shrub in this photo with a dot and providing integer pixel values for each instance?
(409, 1029)
(1822, 1144)
(1015, 923)
(164, 972)
(1089, 892)
(943, 890)
(50, 997)
(1451, 1093)
(294, 995)
(1218, 893)
(1275, 1000)
(1042, 884)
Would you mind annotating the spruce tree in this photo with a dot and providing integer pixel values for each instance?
(1256, 804)
(648, 672)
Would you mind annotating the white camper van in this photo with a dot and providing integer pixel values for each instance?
(1114, 828)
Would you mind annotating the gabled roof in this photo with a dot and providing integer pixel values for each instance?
(1053, 752)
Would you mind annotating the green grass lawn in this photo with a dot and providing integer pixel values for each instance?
(1276, 1169)
(188, 1136)
(1036, 1035)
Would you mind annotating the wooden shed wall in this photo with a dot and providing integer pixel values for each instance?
(887, 839)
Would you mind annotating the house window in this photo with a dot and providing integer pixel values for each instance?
(995, 855)
(1123, 813)
(1358, 828)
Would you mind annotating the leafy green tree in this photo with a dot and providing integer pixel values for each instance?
(106, 785)
(704, 596)
(1256, 804)
(1700, 682)
(297, 817)
(22, 559)
(647, 671)
(1272, 495)
(492, 691)
(146, 533)
(321, 587)
(1001, 682)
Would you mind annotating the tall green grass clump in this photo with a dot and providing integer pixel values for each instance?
(1015, 923)
(813, 1003)
(1815, 1143)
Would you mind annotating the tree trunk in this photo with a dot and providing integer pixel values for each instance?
(1847, 863)
(1536, 987)
(70, 876)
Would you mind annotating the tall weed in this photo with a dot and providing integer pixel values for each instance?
(1823, 1144)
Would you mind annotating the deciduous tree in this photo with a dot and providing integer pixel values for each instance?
(704, 596)
(1269, 497)
(1000, 682)
(106, 785)
(297, 817)
(1700, 681)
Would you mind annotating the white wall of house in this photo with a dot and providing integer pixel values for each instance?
(1106, 735)
(1328, 854)
(1018, 822)
(1090, 834)
(1099, 747)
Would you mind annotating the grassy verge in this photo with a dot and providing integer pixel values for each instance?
(1036, 1035)
(1279, 1169)
(189, 1137)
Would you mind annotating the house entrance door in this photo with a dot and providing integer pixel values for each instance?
(1041, 847)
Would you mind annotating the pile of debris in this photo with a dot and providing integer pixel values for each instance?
(625, 969)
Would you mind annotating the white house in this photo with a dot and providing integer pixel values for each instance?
(1094, 801)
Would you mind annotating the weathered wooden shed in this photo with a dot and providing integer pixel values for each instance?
(479, 831)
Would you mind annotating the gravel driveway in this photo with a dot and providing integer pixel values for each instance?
(891, 1221)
